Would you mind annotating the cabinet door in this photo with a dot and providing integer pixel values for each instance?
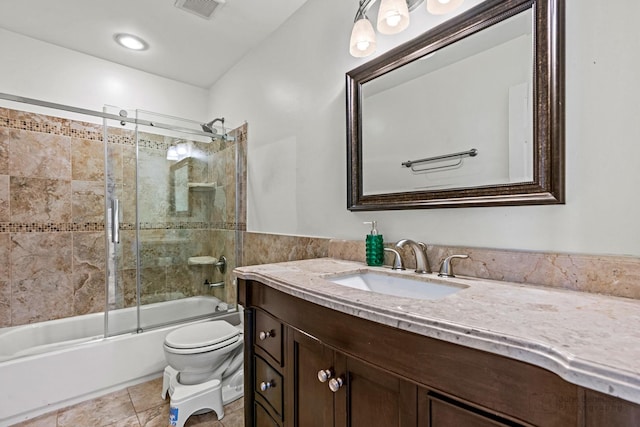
(311, 402)
(371, 397)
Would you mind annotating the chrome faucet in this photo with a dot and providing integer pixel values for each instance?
(420, 252)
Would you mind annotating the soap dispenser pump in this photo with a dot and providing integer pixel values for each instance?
(374, 246)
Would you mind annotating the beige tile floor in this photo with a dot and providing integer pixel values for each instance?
(136, 406)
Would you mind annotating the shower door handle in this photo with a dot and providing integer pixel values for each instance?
(115, 221)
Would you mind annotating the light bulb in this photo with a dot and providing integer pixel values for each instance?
(130, 41)
(443, 1)
(363, 45)
(393, 20)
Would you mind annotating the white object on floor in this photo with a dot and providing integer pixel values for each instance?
(187, 400)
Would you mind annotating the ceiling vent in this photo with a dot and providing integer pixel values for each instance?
(202, 8)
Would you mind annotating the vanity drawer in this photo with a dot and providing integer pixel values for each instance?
(269, 335)
(268, 384)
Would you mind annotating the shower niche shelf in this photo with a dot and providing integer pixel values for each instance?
(202, 186)
(220, 263)
(202, 260)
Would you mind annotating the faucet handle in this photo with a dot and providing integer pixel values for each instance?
(446, 269)
(397, 259)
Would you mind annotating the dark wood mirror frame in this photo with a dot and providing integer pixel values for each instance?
(548, 183)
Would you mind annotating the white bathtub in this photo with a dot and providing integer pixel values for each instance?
(67, 361)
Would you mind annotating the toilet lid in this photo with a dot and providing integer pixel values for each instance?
(201, 334)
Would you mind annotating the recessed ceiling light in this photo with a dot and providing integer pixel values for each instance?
(131, 42)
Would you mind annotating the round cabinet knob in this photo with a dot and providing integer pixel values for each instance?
(335, 384)
(263, 335)
(324, 375)
(264, 386)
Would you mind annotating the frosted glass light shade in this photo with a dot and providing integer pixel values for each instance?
(393, 16)
(441, 7)
(363, 39)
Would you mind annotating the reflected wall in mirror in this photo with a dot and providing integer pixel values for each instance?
(488, 83)
(475, 93)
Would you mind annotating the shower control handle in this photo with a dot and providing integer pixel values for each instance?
(263, 335)
(264, 386)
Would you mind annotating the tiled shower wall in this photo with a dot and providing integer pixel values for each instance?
(52, 241)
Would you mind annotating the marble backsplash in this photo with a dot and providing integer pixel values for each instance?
(602, 274)
(52, 233)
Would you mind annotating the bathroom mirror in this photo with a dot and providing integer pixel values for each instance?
(468, 114)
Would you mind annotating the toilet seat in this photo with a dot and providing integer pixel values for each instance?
(201, 337)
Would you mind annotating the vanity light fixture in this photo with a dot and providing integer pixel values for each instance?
(393, 17)
(130, 41)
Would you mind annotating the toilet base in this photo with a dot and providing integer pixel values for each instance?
(233, 387)
(187, 400)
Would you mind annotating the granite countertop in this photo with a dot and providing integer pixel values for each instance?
(588, 339)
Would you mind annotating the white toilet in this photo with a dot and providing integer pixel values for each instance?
(205, 369)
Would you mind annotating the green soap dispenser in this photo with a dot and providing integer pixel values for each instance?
(374, 246)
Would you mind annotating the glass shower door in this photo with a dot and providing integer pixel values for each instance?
(181, 272)
(170, 201)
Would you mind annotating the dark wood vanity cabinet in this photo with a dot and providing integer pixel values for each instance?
(311, 366)
(332, 389)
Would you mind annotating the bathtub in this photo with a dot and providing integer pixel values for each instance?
(53, 364)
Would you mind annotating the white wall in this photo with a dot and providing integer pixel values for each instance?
(291, 91)
(34, 69)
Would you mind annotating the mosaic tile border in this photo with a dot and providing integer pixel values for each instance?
(13, 227)
(90, 131)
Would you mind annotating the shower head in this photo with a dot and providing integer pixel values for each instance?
(208, 127)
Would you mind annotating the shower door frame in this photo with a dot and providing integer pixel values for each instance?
(107, 205)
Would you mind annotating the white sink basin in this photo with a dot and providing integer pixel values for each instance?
(397, 285)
